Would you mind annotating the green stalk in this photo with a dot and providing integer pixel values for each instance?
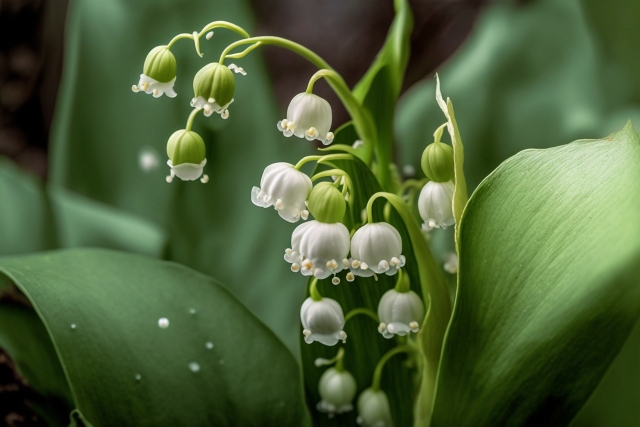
(377, 374)
(361, 118)
(433, 285)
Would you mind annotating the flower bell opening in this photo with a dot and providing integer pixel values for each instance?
(337, 388)
(435, 204)
(308, 116)
(317, 249)
(159, 73)
(213, 87)
(376, 248)
(322, 321)
(399, 313)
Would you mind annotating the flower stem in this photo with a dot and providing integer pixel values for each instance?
(434, 286)
(305, 160)
(339, 360)
(377, 374)
(361, 118)
(412, 183)
(403, 285)
(362, 310)
(195, 36)
(313, 290)
(191, 117)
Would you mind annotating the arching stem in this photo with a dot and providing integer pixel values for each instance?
(377, 374)
(362, 310)
(192, 116)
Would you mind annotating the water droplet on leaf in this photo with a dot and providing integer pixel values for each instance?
(163, 323)
(194, 367)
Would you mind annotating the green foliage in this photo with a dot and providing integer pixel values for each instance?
(101, 310)
(547, 285)
(97, 140)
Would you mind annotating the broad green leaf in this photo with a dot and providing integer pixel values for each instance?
(616, 401)
(101, 127)
(101, 309)
(548, 285)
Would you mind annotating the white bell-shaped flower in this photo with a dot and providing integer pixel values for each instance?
(337, 389)
(187, 171)
(149, 85)
(376, 248)
(436, 204)
(308, 116)
(318, 249)
(399, 313)
(323, 321)
(373, 409)
(286, 189)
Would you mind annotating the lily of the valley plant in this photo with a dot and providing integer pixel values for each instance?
(373, 324)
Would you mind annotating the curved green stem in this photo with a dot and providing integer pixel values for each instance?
(403, 285)
(377, 374)
(192, 116)
(434, 286)
(244, 52)
(362, 310)
(224, 24)
(412, 183)
(306, 160)
(313, 290)
(179, 37)
(278, 41)
(361, 118)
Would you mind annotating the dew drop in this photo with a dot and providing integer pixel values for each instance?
(73, 326)
(209, 345)
(138, 377)
(194, 367)
(192, 311)
(163, 323)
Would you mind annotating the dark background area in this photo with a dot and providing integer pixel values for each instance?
(348, 37)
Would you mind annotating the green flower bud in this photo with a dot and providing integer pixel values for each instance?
(437, 162)
(160, 65)
(213, 87)
(185, 146)
(326, 203)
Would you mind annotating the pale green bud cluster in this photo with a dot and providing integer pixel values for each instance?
(185, 146)
(160, 64)
(215, 83)
(326, 203)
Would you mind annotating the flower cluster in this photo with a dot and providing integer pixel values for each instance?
(332, 242)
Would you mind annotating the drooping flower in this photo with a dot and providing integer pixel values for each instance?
(308, 116)
(451, 263)
(337, 389)
(399, 313)
(159, 73)
(318, 249)
(373, 409)
(436, 204)
(376, 248)
(187, 156)
(213, 88)
(323, 321)
(286, 189)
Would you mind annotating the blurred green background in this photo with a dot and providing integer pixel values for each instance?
(522, 74)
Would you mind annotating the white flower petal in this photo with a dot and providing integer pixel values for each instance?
(436, 204)
(187, 171)
(309, 112)
(397, 310)
(285, 186)
(323, 321)
(156, 88)
(319, 243)
(379, 246)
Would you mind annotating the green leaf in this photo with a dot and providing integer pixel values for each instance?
(101, 309)
(379, 88)
(97, 139)
(548, 285)
(616, 401)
